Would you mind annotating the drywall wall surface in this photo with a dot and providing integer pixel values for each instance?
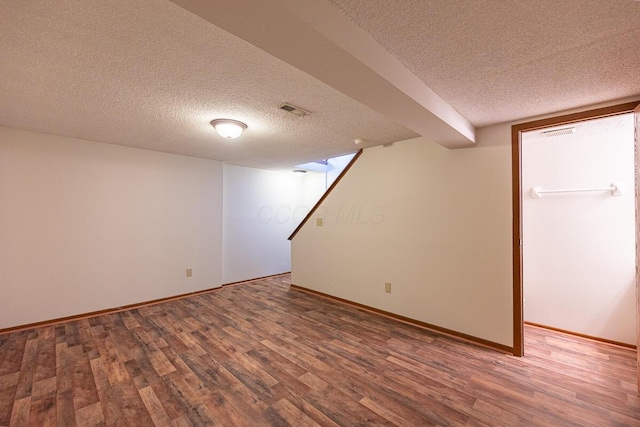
(435, 223)
(86, 226)
(261, 210)
(579, 248)
(337, 166)
(315, 185)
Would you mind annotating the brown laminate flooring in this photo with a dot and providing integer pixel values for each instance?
(260, 353)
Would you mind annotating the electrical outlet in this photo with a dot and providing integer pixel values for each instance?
(387, 287)
(189, 272)
(319, 222)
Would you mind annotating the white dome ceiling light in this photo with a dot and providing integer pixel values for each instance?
(228, 128)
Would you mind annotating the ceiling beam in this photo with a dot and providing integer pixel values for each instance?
(318, 39)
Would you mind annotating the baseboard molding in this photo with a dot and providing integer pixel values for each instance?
(122, 308)
(444, 331)
(257, 278)
(577, 334)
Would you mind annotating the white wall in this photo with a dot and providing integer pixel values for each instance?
(317, 183)
(337, 166)
(261, 210)
(436, 223)
(86, 226)
(314, 187)
(579, 248)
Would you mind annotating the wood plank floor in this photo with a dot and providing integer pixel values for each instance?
(261, 353)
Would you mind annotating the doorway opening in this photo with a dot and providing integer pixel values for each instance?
(517, 193)
(578, 229)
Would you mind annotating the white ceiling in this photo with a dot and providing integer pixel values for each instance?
(606, 126)
(150, 74)
(498, 60)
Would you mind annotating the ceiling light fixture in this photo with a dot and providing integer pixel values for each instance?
(228, 128)
(299, 172)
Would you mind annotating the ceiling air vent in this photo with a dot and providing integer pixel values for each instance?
(558, 132)
(293, 109)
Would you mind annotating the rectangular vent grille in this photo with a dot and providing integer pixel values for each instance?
(293, 109)
(558, 132)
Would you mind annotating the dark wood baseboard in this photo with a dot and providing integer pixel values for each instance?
(577, 334)
(444, 331)
(257, 278)
(101, 312)
(122, 308)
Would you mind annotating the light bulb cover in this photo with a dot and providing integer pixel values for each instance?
(299, 172)
(228, 128)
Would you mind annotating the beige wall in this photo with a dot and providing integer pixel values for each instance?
(86, 226)
(436, 223)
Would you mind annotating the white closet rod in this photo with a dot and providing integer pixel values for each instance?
(537, 192)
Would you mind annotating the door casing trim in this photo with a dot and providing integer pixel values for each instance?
(516, 187)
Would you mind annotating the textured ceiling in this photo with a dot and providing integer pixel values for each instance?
(149, 74)
(605, 126)
(496, 60)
